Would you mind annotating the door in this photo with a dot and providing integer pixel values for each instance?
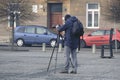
(55, 14)
(29, 35)
(41, 35)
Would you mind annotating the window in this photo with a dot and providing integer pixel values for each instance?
(30, 30)
(56, 7)
(92, 16)
(35, 8)
(49, 32)
(98, 33)
(41, 31)
(92, 6)
(107, 32)
(21, 30)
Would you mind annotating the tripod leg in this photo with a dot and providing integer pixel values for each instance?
(56, 59)
(50, 59)
(56, 44)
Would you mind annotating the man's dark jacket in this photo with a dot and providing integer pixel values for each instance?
(70, 40)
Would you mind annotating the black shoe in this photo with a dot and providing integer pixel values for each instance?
(73, 72)
(65, 71)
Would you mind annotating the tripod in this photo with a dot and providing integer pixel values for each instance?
(56, 45)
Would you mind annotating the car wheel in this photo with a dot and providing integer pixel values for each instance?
(52, 42)
(82, 44)
(114, 44)
(20, 42)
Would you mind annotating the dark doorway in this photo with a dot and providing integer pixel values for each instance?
(54, 14)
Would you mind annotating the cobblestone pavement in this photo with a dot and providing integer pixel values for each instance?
(32, 65)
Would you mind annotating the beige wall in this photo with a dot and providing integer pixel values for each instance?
(78, 8)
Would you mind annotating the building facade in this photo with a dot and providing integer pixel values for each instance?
(92, 13)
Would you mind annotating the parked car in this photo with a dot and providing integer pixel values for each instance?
(32, 34)
(99, 37)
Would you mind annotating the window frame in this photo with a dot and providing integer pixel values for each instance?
(93, 11)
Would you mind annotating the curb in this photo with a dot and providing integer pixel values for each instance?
(9, 48)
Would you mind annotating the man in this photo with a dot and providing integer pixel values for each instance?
(71, 43)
